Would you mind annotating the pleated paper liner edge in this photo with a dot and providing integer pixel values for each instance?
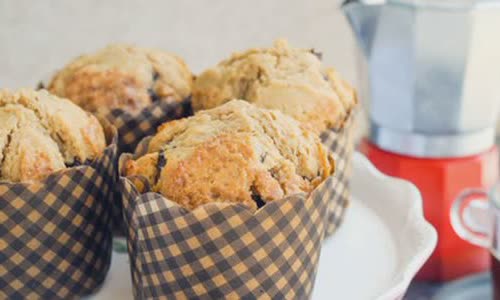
(150, 282)
(340, 142)
(134, 127)
(51, 249)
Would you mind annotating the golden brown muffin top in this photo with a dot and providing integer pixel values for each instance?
(41, 133)
(289, 79)
(123, 76)
(236, 152)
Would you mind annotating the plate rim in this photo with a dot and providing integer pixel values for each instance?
(417, 224)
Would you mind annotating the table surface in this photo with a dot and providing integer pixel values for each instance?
(475, 286)
(422, 290)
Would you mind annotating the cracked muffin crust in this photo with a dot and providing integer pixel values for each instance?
(289, 79)
(236, 152)
(123, 76)
(41, 133)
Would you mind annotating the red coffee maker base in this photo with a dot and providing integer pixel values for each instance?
(440, 181)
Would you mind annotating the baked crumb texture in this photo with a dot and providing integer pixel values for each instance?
(281, 77)
(41, 134)
(123, 76)
(236, 152)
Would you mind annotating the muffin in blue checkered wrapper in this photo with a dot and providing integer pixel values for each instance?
(58, 166)
(295, 82)
(135, 89)
(229, 203)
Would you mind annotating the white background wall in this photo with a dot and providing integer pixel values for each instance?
(37, 37)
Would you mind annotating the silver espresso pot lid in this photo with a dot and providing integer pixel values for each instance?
(431, 73)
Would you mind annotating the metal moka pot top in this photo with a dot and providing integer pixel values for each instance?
(431, 72)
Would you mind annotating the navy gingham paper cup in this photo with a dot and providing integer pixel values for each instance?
(340, 142)
(223, 250)
(55, 235)
(134, 127)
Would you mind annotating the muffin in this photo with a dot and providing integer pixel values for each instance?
(123, 76)
(289, 79)
(236, 152)
(41, 134)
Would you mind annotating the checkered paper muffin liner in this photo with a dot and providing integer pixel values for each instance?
(221, 250)
(133, 127)
(55, 235)
(341, 143)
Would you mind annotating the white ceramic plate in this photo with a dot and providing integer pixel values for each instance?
(381, 245)
(378, 250)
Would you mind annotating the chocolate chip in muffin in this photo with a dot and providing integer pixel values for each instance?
(153, 95)
(151, 91)
(274, 173)
(260, 74)
(263, 157)
(162, 162)
(156, 76)
(256, 197)
(318, 54)
(188, 108)
(77, 162)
